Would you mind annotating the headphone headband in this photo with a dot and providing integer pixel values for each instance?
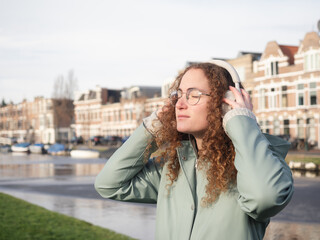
(232, 71)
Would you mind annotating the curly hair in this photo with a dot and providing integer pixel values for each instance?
(217, 154)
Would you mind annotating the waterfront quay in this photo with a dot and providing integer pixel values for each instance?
(65, 185)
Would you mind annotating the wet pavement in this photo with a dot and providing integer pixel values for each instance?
(65, 185)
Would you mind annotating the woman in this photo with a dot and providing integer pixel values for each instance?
(217, 176)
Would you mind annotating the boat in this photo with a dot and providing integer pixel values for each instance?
(57, 149)
(37, 148)
(21, 147)
(85, 153)
(5, 148)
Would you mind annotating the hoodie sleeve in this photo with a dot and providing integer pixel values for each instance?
(127, 176)
(264, 180)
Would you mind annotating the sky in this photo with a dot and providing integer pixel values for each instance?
(124, 43)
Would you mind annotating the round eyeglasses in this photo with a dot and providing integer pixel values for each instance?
(193, 96)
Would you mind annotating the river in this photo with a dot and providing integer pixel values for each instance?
(65, 185)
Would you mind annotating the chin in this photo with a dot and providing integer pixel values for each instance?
(183, 130)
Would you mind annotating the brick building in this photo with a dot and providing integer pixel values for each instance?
(285, 89)
(42, 120)
(96, 114)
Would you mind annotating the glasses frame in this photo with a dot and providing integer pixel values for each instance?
(176, 92)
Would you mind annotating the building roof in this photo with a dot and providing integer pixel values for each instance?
(310, 41)
(255, 55)
(289, 51)
(141, 91)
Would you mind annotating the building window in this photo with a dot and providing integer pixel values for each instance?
(300, 93)
(272, 98)
(267, 129)
(126, 115)
(115, 116)
(284, 96)
(264, 126)
(311, 132)
(19, 124)
(276, 127)
(312, 61)
(313, 93)
(286, 127)
(49, 122)
(42, 123)
(119, 116)
(272, 68)
(261, 101)
(300, 128)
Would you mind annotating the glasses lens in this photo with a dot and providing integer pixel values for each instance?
(194, 96)
(174, 97)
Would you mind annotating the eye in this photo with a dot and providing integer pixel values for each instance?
(194, 93)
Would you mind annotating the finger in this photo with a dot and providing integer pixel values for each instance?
(238, 96)
(247, 99)
(233, 104)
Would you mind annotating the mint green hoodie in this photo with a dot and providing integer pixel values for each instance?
(264, 185)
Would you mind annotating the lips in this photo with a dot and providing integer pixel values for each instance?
(180, 116)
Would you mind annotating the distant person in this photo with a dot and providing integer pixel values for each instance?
(217, 175)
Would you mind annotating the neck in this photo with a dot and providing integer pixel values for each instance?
(199, 143)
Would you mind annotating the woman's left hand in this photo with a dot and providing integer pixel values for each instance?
(242, 100)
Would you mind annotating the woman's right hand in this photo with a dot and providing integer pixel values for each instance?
(241, 99)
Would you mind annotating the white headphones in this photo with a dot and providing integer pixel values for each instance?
(230, 69)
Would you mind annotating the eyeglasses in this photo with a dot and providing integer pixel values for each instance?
(193, 96)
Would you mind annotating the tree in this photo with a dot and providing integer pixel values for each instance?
(62, 101)
(65, 88)
(3, 103)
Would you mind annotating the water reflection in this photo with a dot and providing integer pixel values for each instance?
(41, 166)
(48, 170)
(15, 165)
(304, 173)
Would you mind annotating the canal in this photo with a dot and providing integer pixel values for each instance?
(65, 185)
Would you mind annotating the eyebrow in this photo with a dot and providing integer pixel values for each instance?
(201, 90)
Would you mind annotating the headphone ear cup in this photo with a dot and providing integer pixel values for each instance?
(226, 107)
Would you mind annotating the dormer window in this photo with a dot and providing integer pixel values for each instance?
(312, 61)
(272, 68)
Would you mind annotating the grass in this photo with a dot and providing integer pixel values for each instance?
(22, 220)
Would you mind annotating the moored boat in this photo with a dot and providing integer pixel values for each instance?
(20, 147)
(57, 149)
(85, 153)
(37, 148)
(5, 148)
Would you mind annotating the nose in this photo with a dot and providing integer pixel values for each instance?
(182, 102)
